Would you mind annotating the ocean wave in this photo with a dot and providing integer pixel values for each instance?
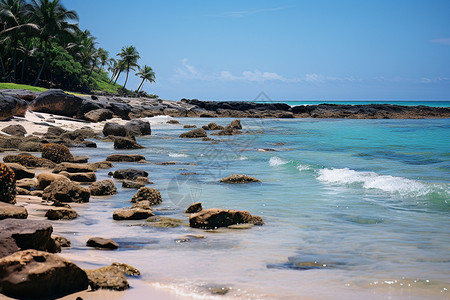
(177, 154)
(372, 180)
(243, 157)
(276, 161)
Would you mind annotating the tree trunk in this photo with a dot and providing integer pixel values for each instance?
(23, 68)
(142, 83)
(118, 75)
(126, 79)
(43, 64)
(3, 67)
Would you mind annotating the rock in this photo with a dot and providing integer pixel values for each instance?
(189, 126)
(146, 193)
(80, 177)
(55, 131)
(74, 168)
(194, 208)
(20, 171)
(22, 191)
(236, 178)
(132, 214)
(107, 278)
(144, 204)
(102, 165)
(7, 184)
(120, 109)
(212, 126)
(22, 234)
(103, 188)
(125, 157)
(195, 133)
(12, 211)
(127, 269)
(236, 124)
(29, 161)
(57, 102)
(7, 142)
(11, 106)
(79, 134)
(36, 193)
(126, 143)
(98, 115)
(138, 128)
(27, 183)
(241, 226)
(143, 180)
(31, 146)
(16, 130)
(99, 242)
(33, 274)
(215, 218)
(114, 129)
(132, 184)
(45, 179)
(61, 213)
(63, 242)
(163, 222)
(65, 191)
(129, 174)
(228, 130)
(89, 144)
(173, 122)
(56, 153)
(81, 160)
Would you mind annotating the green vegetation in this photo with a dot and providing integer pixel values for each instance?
(14, 86)
(41, 45)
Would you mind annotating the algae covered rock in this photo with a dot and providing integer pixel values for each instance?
(215, 218)
(45, 179)
(20, 171)
(29, 161)
(236, 178)
(99, 242)
(150, 194)
(32, 274)
(7, 184)
(195, 133)
(112, 278)
(163, 222)
(103, 188)
(16, 130)
(132, 174)
(12, 211)
(61, 213)
(125, 157)
(194, 208)
(56, 153)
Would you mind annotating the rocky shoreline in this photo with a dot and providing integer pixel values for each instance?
(98, 108)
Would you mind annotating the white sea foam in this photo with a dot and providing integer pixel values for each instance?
(301, 167)
(372, 180)
(243, 157)
(276, 161)
(177, 154)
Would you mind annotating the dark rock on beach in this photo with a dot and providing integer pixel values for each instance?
(15, 130)
(57, 102)
(129, 174)
(7, 184)
(114, 129)
(215, 218)
(62, 241)
(20, 234)
(98, 115)
(11, 106)
(138, 128)
(45, 179)
(112, 278)
(56, 153)
(29, 161)
(80, 177)
(132, 214)
(194, 208)
(99, 242)
(125, 157)
(33, 274)
(20, 171)
(12, 211)
(74, 168)
(126, 143)
(61, 213)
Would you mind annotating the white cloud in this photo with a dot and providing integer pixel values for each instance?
(443, 41)
(189, 72)
(434, 79)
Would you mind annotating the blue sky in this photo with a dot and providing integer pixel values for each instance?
(291, 50)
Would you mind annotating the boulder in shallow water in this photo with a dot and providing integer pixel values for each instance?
(98, 115)
(32, 274)
(23, 234)
(114, 129)
(194, 208)
(111, 278)
(62, 241)
(99, 242)
(163, 222)
(195, 133)
(102, 165)
(103, 188)
(236, 124)
(56, 153)
(74, 168)
(132, 214)
(214, 218)
(138, 128)
(236, 178)
(150, 194)
(29, 161)
(12, 211)
(61, 213)
(131, 174)
(127, 269)
(125, 157)
(126, 143)
(66, 191)
(80, 177)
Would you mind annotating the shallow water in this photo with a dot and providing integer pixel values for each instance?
(353, 208)
(405, 103)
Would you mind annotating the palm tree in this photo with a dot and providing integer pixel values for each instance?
(129, 57)
(103, 55)
(15, 18)
(146, 73)
(53, 19)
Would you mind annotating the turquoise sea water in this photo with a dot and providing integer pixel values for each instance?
(406, 103)
(353, 209)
